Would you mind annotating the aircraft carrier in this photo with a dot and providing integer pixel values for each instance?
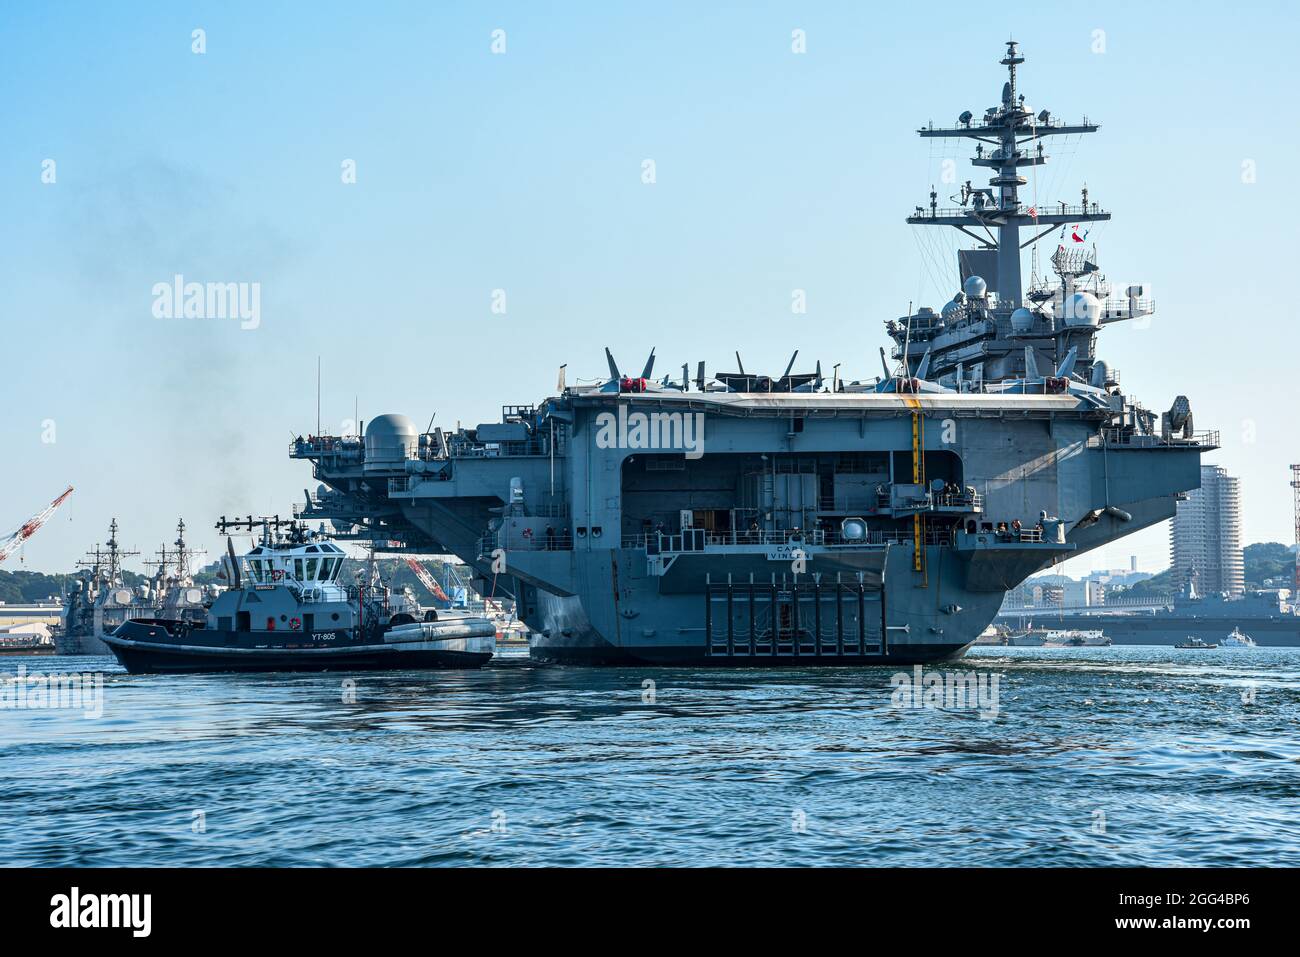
(749, 519)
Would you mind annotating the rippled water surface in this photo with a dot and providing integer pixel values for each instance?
(1124, 755)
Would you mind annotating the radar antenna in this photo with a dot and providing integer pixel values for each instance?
(1008, 128)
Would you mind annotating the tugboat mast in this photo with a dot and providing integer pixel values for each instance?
(998, 211)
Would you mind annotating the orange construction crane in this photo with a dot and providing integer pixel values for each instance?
(11, 544)
(427, 580)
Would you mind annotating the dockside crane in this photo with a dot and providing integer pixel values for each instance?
(13, 542)
(427, 580)
(1295, 484)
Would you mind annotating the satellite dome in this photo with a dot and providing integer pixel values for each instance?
(1083, 309)
(1022, 320)
(950, 311)
(390, 441)
(853, 529)
(975, 287)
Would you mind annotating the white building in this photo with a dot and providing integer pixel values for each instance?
(1205, 535)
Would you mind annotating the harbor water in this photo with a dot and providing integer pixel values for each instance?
(1088, 756)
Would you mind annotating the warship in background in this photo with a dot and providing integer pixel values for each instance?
(1266, 615)
(100, 599)
(757, 519)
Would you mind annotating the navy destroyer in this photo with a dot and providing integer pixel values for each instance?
(100, 599)
(742, 518)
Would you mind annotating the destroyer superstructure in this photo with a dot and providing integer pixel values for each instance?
(100, 599)
(744, 518)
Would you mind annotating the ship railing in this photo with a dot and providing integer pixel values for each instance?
(317, 445)
(317, 592)
(1030, 534)
(878, 538)
(459, 446)
(992, 212)
(1119, 307)
(961, 499)
(699, 540)
(1127, 438)
(560, 541)
(971, 501)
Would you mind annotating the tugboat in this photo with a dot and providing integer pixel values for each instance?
(1194, 642)
(1237, 639)
(286, 611)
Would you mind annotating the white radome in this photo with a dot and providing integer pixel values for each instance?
(1083, 309)
(975, 287)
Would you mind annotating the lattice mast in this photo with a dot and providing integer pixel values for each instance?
(997, 211)
(1295, 486)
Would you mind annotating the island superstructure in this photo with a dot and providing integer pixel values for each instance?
(742, 518)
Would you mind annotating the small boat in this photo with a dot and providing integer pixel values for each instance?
(992, 635)
(286, 611)
(1194, 642)
(1076, 638)
(1025, 639)
(1059, 638)
(1236, 639)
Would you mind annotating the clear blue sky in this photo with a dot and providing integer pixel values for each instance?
(522, 172)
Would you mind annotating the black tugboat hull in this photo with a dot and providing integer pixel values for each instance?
(164, 660)
(148, 653)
